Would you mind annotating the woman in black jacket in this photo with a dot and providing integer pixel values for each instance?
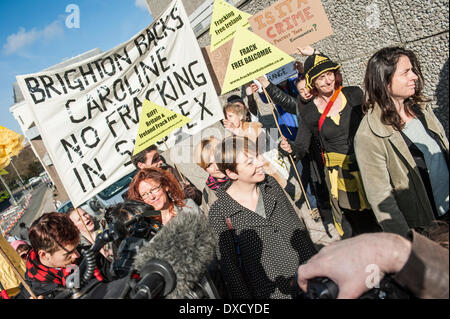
(331, 118)
(307, 148)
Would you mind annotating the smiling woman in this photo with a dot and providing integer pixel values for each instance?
(160, 189)
(262, 241)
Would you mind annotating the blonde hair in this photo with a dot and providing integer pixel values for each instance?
(203, 150)
(236, 108)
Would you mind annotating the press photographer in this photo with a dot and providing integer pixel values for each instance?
(418, 266)
(133, 223)
(54, 239)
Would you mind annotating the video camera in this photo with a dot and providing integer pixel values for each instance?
(151, 261)
(129, 225)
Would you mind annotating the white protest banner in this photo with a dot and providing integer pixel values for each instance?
(88, 113)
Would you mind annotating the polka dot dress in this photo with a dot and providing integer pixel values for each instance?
(271, 248)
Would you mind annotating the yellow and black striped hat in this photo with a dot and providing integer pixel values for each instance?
(317, 64)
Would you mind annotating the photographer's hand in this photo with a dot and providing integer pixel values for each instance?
(346, 262)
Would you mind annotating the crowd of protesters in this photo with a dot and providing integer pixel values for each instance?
(374, 161)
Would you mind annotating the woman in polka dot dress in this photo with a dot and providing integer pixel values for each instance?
(262, 241)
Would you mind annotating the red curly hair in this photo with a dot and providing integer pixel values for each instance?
(166, 179)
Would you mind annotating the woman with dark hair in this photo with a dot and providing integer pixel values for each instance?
(160, 189)
(401, 146)
(331, 119)
(262, 240)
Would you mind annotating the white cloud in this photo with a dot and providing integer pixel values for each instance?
(141, 4)
(23, 38)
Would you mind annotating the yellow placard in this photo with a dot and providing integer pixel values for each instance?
(251, 56)
(3, 171)
(224, 21)
(155, 123)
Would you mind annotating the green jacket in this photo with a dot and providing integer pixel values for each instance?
(390, 176)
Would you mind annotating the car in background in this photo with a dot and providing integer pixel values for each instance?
(65, 207)
(34, 181)
(111, 195)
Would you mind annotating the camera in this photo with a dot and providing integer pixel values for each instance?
(325, 288)
(130, 225)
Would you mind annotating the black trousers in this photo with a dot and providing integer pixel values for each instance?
(359, 222)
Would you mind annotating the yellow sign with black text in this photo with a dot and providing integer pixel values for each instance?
(224, 21)
(251, 56)
(156, 122)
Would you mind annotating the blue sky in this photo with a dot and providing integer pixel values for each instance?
(34, 35)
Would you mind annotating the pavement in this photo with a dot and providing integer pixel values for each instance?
(40, 202)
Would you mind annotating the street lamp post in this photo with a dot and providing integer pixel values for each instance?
(10, 193)
(21, 180)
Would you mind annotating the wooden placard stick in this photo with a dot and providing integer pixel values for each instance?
(290, 156)
(17, 273)
(175, 165)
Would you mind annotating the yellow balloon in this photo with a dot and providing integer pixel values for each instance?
(11, 143)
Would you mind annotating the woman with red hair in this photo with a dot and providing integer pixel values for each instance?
(160, 189)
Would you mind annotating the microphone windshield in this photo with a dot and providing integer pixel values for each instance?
(188, 244)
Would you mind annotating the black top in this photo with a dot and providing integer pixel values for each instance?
(334, 137)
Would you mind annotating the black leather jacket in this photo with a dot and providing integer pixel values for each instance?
(305, 142)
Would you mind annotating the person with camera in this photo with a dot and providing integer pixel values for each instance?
(89, 229)
(54, 255)
(134, 223)
(417, 264)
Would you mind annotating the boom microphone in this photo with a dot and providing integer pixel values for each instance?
(187, 243)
